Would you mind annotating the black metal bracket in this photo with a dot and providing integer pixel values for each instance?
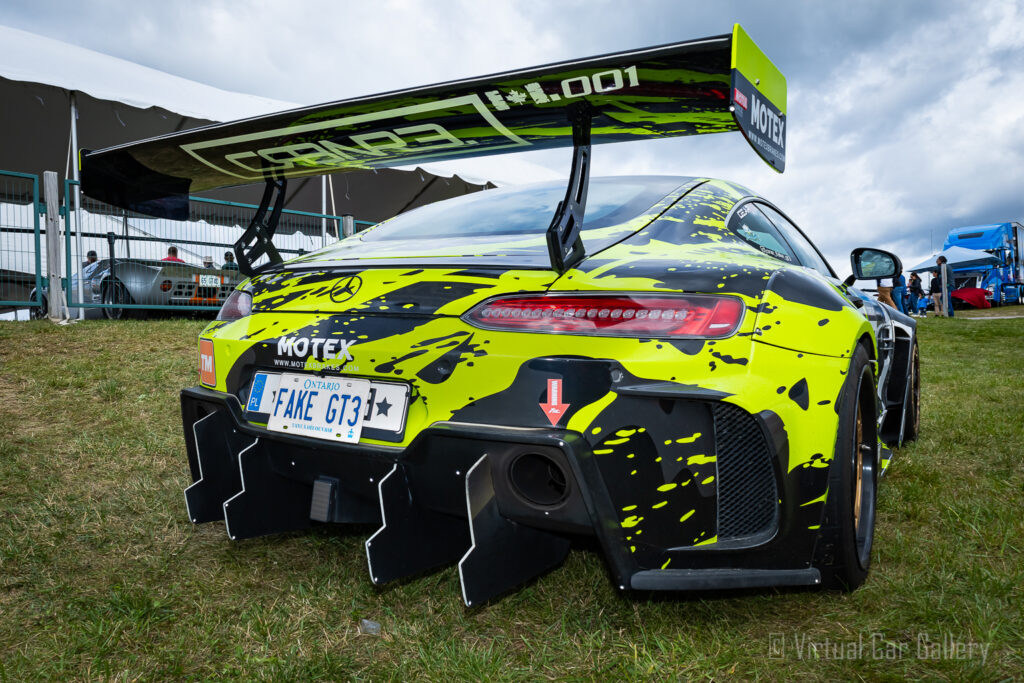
(110, 249)
(565, 247)
(258, 238)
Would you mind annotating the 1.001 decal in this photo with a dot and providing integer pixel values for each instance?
(576, 86)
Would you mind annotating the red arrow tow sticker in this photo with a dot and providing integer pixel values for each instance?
(554, 408)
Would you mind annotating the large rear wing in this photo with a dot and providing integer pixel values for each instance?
(713, 85)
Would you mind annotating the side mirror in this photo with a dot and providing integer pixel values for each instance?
(871, 264)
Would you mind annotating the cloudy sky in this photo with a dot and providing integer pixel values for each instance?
(905, 118)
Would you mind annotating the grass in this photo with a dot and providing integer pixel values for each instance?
(103, 578)
(1014, 311)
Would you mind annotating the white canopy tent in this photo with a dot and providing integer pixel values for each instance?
(56, 98)
(958, 257)
(119, 101)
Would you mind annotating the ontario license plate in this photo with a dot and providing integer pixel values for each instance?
(323, 408)
(209, 280)
(330, 408)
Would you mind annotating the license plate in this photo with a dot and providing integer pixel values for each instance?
(209, 280)
(365, 404)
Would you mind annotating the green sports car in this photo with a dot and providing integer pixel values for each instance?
(667, 364)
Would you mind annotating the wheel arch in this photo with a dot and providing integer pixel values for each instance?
(894, 394)
(867, 340)
(832, 554)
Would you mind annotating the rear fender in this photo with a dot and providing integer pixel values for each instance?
(802, 312)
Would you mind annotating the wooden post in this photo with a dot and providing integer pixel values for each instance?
(57, 306)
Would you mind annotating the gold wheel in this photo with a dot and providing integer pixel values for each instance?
(858, 468)
(850, 506)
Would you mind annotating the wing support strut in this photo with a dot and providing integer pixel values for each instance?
(565, 247)
(258, 238)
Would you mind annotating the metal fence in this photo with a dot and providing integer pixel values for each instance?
(118, 263)
(22, 258)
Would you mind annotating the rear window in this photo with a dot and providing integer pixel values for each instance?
(523, 211)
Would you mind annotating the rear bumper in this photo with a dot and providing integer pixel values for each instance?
(504, 501)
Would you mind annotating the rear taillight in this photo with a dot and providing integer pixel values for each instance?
(237, 305)
(614, 315)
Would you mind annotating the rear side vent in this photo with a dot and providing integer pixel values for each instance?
(747, 494)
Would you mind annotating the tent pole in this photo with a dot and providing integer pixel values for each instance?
(323, 211)
(334, 209)
(945, 291)
(78, 213)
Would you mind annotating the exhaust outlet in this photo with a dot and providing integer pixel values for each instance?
(538, 480)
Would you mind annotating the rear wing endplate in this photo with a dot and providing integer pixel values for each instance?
(712, 85)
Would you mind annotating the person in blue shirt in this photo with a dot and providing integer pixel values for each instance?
(898, 290)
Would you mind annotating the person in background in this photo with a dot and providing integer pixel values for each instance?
(915, 291)
(90, 266)
(898, 291)
(229, 261)
(946, 275)
(885, 292)
(172, 255)
(208, 262)
(935, 290)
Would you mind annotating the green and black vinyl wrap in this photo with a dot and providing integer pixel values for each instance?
(660, 92)
(658, 434)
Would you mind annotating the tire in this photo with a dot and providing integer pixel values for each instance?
(912, 402)
(42, 311)
(843, 555)
(114, 294)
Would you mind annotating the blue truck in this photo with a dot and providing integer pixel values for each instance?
(1003, 281)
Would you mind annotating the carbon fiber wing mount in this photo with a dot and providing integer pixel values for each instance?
(258, 238)
(565, 246)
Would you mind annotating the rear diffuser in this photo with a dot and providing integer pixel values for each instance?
(503, 554)
(412, 538)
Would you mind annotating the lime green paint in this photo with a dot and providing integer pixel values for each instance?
(631, 521)
(750, 61)
(819, 499)
(586, 415)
